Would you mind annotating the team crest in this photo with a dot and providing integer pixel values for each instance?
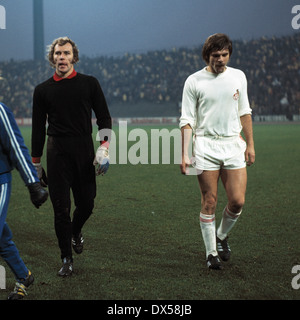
(236, 95)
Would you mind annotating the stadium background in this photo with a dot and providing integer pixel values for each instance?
(150, 84)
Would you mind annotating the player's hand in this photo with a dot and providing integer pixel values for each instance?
(185, 163)
(38, 195)
(250, 155)
(41, 174)
(101, 161)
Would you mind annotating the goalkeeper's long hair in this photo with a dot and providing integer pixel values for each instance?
(61, 42)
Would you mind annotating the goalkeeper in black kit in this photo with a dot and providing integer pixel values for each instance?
(66, 101)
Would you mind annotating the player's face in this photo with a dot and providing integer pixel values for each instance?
(63, 58)
(218, 61)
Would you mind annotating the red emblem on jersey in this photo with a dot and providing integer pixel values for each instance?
(236, 95)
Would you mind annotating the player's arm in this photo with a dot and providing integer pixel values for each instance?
(99, 105)
(246, 122)
(39, 118)
(187, 120)
(38, 135)
(104, 122)
(14, 146)
(18, 154)
(186, 135)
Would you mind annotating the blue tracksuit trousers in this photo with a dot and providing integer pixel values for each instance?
(8, 249)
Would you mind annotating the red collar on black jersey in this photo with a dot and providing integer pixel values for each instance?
(56, 77)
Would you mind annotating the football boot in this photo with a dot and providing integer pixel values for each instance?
(223, 249)
(67, 268)
(21, 287)
(77, 243)
(213, 262)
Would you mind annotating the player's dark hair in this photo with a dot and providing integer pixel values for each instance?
(61, 42)
(216, 42)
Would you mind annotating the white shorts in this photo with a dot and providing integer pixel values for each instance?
(215, 152)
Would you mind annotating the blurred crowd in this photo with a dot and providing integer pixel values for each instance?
(272, 66)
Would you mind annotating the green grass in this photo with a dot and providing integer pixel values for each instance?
(143, 240)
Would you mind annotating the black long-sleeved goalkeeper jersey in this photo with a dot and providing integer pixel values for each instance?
(67, 105)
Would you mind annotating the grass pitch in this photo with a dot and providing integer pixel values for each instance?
(143, 241)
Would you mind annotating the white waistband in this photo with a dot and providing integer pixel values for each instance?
(218, 137)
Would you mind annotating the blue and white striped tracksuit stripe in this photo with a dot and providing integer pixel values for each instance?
(3, 193)
(16, 146)
(4, 199)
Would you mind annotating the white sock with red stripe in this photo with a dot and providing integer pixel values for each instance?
(208, 229)
(228, 221)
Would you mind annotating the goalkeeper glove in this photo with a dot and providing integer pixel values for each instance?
(101, 160)
(41, 174)
(38, 195)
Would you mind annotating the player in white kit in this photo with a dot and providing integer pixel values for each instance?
(215, 109)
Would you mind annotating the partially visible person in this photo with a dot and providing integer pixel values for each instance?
(14, 154)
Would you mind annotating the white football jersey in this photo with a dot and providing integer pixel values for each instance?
(213, 103)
